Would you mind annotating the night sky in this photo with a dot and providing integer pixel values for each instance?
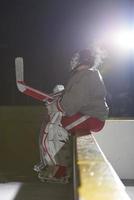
(46, 33)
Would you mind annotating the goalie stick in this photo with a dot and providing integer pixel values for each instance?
(22, 87)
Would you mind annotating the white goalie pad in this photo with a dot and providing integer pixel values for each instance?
(54, 139)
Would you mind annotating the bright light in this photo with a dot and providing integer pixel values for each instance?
(123, 39)
(9, 191)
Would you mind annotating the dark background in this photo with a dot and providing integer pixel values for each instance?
(46, 33)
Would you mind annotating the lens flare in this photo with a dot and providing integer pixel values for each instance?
(123, 39)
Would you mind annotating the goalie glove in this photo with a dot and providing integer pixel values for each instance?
(58, 89)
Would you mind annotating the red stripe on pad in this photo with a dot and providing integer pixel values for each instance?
(61, 171)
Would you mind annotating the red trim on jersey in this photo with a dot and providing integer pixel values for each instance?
(84, 128)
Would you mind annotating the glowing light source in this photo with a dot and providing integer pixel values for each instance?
(123, 39)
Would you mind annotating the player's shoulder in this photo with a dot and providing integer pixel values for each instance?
(88, 74)
(93, 75)
(92, 72)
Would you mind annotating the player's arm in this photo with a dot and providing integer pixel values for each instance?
(75, 98)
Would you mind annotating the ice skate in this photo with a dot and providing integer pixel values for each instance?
(55, 174)
(38, 167)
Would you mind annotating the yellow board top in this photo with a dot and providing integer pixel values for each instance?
(98, 180)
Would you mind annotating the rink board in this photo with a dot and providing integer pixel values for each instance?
(94, 177)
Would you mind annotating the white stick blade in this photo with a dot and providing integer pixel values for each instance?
(19, 69)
